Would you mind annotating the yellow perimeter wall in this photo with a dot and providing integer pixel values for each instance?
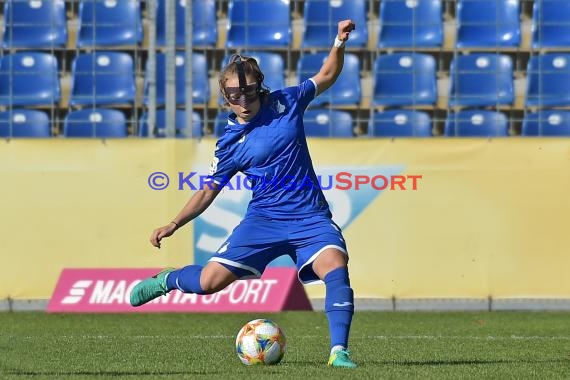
(489, 217)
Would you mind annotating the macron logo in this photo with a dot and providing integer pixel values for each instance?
(344, 304)
(76, 292)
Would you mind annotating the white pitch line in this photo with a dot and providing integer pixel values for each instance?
(461, 337)
(127, 336)
(380, 337)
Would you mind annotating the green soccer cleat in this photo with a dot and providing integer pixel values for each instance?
(341, 358)
(149, 289)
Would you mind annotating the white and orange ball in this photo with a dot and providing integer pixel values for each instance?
(261, 341)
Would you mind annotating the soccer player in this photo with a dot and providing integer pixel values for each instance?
(265, 140)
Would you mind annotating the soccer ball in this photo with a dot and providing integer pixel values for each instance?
(261, 341)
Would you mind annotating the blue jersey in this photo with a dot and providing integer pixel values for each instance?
(271, 151)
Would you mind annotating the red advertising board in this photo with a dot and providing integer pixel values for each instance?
(106, 290)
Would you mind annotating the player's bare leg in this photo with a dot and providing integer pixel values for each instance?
(215, 277)
(329, 260)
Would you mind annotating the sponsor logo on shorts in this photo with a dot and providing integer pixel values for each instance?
(223, 248)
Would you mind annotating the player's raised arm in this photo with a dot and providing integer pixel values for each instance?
(197, 204)
(332, 66)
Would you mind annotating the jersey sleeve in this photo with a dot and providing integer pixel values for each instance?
(307, 90)
(222, 168)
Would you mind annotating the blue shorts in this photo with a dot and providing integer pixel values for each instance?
(257, 241)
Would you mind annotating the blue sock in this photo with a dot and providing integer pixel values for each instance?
(186, 279)
(339, 305)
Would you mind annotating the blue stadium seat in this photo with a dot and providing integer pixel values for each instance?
(548, 76)
(404, 79)
(476, 123)
(258, 23)
(34, 24)
(547, 123)
(272, 66)
(109, 23)
(204, 23)
(102, 78)
(220, 123)
(29, 79)
(328, 123)
(410, 23)
(200, 80)
(488, 23)
(551, 24)
(180, 120)
(481, 80)
(400, 123)
(345, 91)
(321, 19)
(24, 123)
(95, 122)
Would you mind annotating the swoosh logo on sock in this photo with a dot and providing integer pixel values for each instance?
(336, 304)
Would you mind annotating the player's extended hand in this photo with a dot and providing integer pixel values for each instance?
(160, 233)
(344, 29)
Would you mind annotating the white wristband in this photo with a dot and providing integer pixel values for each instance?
(338, 43)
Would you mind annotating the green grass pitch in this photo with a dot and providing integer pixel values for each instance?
(484, 345)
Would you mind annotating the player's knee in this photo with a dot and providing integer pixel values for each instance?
(210, 286)
(338, 260)
(329, 261)
(214, 279)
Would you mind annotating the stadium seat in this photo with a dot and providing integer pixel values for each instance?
(551, 24)
(160, 129)
(95, 122)
(404, 79)
(204, 23)
(258, 23)
(272, 65)
(481, 80)
(554, 123)
(548, 76)
(399, 123)
(29, 79)
(34, 24)
(200, 80)
(488, 23)
(345, 91)
(328, 123)
(24, 123)
(102, 78)
(321, 19)
(476, 123)
(410, 23)
(109, 23)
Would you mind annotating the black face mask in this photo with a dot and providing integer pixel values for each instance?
(245, 94)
